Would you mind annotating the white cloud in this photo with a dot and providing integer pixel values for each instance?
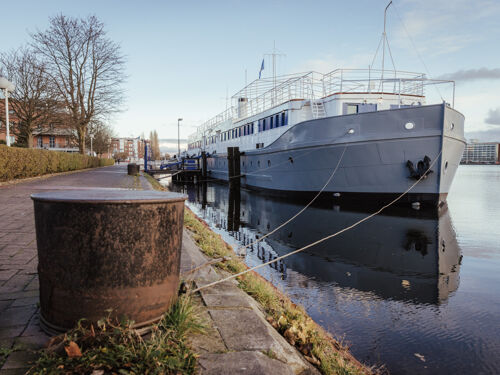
(472, 74)
(493, 117)
(329, 62)
(439, 26)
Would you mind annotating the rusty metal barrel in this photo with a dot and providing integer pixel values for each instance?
(133, 169)
(102, 250)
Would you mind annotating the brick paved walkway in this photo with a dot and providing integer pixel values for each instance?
(19, 324)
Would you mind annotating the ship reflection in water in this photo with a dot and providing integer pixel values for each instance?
(380, 283)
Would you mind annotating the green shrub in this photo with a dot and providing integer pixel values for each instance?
(28, 162)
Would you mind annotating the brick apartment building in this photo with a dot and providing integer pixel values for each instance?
(133, 147)
(55, 137)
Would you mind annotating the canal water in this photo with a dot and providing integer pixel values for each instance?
(414, 290)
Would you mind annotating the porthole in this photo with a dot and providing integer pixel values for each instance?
(258, 163)
(269, 163)
(409, 125)
(452, 126)
(291, 159)
(446, 166)
(351, 131)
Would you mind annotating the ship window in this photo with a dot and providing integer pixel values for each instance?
(269, 163)
(352, 109)
(277, 121)
(283, 123)
(252, 127)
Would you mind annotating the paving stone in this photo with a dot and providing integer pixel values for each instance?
(7, 342)
(6, 274)
(233, 325)
(20, 360)
(16, 295)
(19, 282)
(32, 342)
(33, 328)
(16, 316)
(226, 287)
(33, 284)
(226, 300)
(4, 305)
(30, 301)
(11, 332)
(13, 371)
(246, 362)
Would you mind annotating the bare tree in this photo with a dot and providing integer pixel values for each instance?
(86, 69)
(154, 145)
(32, 100)
(102, 137)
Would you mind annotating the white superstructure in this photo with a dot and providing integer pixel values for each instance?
(266, 108)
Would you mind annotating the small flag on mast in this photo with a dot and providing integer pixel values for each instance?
(261, 68)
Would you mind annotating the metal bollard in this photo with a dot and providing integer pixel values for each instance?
(107, 249)
(132, 169)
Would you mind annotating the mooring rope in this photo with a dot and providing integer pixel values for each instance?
(324, 238)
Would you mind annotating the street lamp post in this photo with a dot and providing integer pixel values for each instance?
(91, 136)
(178, 139)
(7, 87)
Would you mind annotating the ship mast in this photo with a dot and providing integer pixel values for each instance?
(384, 38)
(273, 55)
(384, 41)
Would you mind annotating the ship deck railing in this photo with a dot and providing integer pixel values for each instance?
(267, 93)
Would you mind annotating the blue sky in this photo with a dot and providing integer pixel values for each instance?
(182, 57)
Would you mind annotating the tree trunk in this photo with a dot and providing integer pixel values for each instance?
(30, 139)
(81, 140)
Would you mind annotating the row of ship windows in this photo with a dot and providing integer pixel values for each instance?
(268, 123)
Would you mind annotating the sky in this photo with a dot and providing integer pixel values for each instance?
(185, 57)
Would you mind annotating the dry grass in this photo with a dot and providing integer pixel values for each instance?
(113, 347)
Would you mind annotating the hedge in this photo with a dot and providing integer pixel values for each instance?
(27, 162)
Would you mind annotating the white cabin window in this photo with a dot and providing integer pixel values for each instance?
(352, 109)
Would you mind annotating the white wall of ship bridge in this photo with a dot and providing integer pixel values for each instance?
(298, 111)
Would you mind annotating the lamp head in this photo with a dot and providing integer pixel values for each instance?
(6, 84)
(179, 119)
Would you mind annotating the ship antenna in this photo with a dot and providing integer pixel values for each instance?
(384, 36)
(273, 55)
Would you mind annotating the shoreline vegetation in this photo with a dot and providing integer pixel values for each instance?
(20, 163)
(114, 347)
(290, 320)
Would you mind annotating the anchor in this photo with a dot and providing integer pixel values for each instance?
(422, 170)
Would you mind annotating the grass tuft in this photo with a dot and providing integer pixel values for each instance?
(116, 348)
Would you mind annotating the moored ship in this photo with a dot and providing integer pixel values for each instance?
(292, 131)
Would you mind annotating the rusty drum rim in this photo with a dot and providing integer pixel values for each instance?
(108, 196)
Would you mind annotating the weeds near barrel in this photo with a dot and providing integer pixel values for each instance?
(115, 347)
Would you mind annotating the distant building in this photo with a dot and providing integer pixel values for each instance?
(481, 153)
(133, 147)
(55, 138)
